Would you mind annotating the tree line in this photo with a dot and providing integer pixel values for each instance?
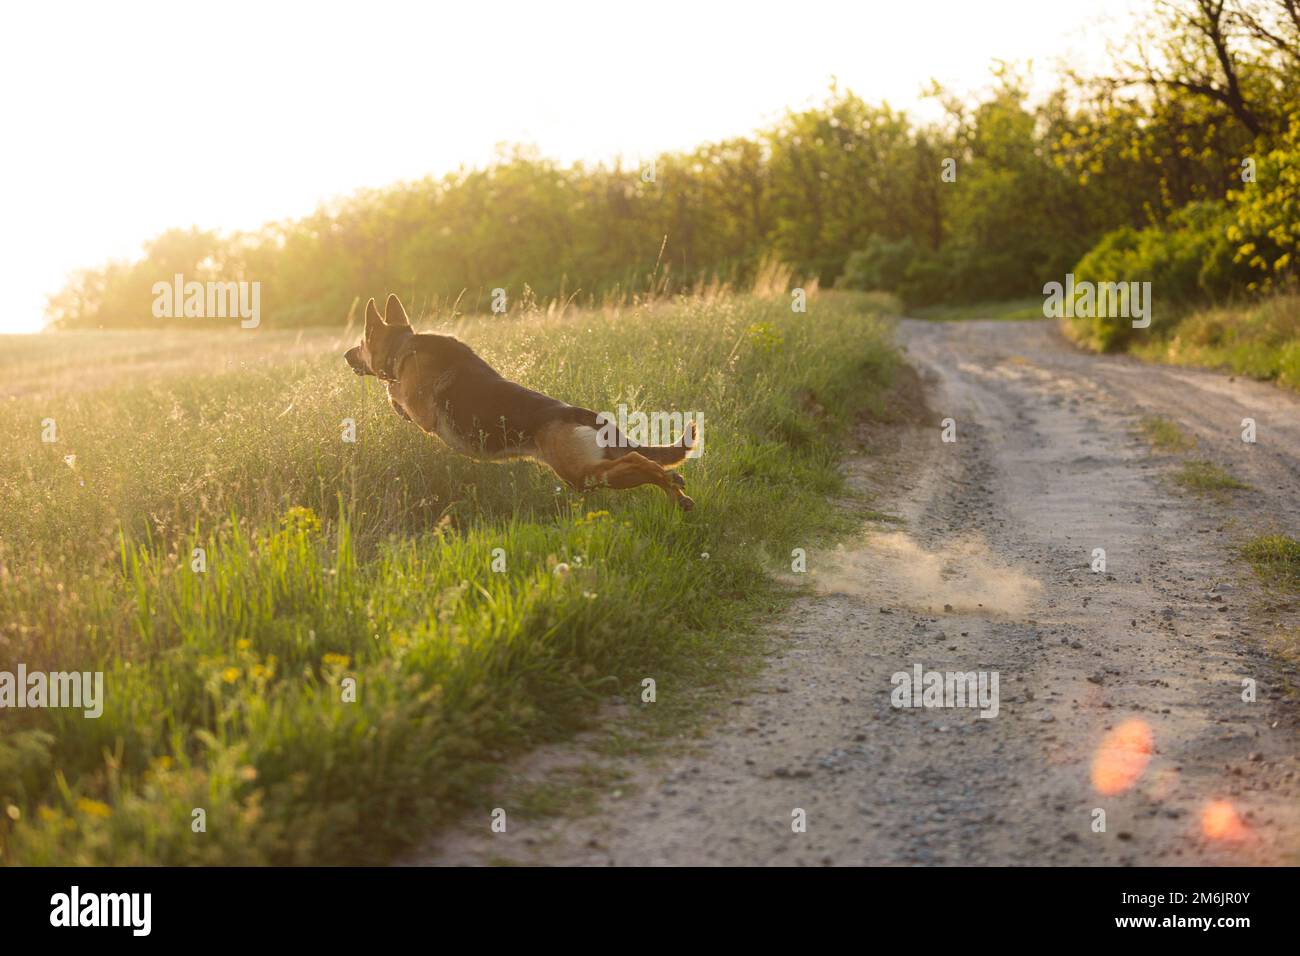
(1180, 166)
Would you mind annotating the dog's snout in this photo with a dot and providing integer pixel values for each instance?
(353, 358)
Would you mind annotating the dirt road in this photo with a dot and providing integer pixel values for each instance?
(1118, 691)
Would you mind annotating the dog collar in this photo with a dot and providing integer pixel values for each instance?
(394, 365)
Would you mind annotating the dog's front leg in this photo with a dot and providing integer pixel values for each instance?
(397, 407)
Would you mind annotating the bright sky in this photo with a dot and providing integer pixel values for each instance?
(120, 120)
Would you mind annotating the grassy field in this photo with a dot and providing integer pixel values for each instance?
(471, 609)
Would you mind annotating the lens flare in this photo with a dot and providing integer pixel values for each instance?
(1122, 757)
(1220, 821)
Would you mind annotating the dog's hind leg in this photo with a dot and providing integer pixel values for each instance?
(575, 454)
(635, 469)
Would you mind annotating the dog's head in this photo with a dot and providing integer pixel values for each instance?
(382, 337)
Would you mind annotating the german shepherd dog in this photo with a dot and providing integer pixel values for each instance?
(439, 384)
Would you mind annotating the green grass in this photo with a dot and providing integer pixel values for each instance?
(1207, 478)
(1012, 310)
(371, 562)
(1260, 340)
(1202, 477)
(1164, 435)
(1276, 560)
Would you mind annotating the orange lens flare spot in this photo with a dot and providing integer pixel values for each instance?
(1220, 821)
(1122, 757)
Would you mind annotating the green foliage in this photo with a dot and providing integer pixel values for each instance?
(1187, 260)
(1206, 263)
(881, 265)
(1135, 176)
(808, 190)
(1267, 213)
(1211, 252)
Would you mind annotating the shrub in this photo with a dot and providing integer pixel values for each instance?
(1187, 260)
(898, 266)
(879, 267)
(1266, 216)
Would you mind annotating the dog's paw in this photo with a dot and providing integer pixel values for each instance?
(678, 480)
(685, 503)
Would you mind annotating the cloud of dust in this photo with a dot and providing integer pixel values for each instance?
(893, 569)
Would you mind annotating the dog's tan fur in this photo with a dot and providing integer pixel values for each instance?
(418, 389)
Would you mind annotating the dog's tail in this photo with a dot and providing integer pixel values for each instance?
(674, 454)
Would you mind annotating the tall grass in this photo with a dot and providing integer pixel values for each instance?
(1260, 340)
(333, 566)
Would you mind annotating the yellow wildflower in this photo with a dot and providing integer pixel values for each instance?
(94, 808)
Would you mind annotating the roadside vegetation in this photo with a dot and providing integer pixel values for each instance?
(1259, 340)
(1276, 560)
(1199, 476)
(1207, 477)
(1165, 435)
(328, 565)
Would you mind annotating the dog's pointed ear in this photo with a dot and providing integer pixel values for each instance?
(394, 314)
(373, 319)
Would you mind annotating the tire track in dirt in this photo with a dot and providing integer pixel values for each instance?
(990, 572)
